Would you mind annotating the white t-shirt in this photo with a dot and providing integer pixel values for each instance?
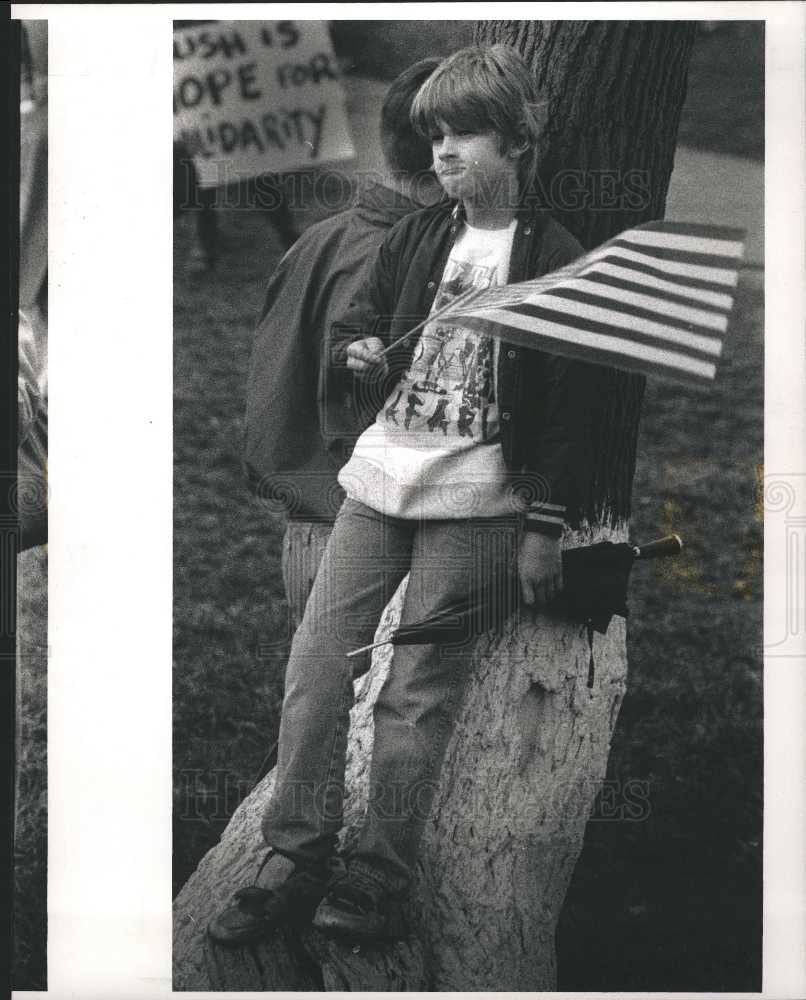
(434, 449)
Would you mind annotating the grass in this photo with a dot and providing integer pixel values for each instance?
(30, 847)
(725, 104)
(229, 599)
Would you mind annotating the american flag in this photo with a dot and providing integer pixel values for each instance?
(654, 300)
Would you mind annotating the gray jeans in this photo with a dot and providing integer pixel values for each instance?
(366, 557)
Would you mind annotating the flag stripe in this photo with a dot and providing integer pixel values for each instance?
(587, 289)
(688, 244)
(598, 320)
(585, 345)
(615, 300)
(596, 280)
(721, 300)
(694, 229)
(668, 253)
(640, 268)
(704, 277)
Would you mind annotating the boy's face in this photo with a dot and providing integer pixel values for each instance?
(471, 167)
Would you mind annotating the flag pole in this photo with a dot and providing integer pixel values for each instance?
(459, 300)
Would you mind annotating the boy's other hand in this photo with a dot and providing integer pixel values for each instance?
(540, 568)
(363, 355)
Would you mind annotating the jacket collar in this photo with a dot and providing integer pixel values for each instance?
(522, 213)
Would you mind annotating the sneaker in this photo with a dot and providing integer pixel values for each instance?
(359, 908)
(257, 912)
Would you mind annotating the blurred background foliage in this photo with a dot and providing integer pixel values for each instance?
(724, 112)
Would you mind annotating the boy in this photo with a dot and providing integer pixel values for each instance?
(437, 493)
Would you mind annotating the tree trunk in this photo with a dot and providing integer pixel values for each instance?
(615, 91)
(531, 741)
(521, 772)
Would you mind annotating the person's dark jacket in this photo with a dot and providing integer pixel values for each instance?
(292, 456)
(543, 399)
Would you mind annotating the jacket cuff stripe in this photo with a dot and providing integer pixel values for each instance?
(544, 505)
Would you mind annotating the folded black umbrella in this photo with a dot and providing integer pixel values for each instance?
(595, 579)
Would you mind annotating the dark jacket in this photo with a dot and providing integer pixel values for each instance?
(542, 398)
(291, 457)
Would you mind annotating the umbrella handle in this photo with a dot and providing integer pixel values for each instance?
(669, 545)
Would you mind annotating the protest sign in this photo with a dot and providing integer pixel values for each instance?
(256, 97)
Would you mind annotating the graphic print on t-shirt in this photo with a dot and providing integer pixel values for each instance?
(449, 386)
(436, 437)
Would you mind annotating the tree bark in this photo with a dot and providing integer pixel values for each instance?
(530, 745)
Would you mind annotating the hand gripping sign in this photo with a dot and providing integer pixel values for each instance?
(256, 97)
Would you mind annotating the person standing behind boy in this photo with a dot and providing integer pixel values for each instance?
(293, 447)
(291, 459)
(401, 513)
